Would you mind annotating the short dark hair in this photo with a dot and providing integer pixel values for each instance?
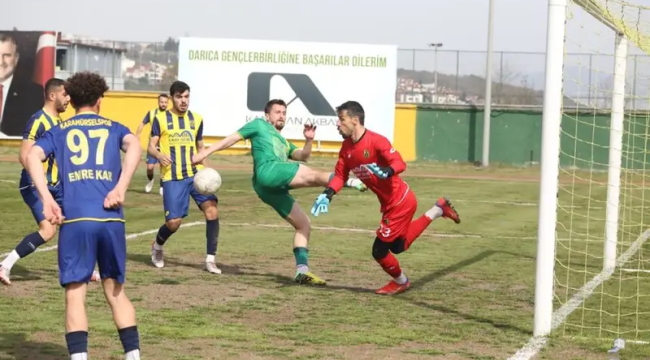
(269, 105)
(85, 88)
(354, 109)
(52, 84)
(162, 96)
(4, 37)
(178, 87)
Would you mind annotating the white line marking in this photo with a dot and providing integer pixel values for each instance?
(325, 228)
(8, 181)
(128, 237)
(535, 344)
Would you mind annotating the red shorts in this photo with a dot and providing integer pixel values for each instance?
(395, 222)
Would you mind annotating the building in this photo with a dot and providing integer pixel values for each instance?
(79, 54)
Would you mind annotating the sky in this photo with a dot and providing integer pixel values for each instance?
(460, 25)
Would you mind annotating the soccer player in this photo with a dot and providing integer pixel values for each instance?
(274, 175)
(373, 159)
(179, 133)
(93, 184)
(56, 102)
(163, 100)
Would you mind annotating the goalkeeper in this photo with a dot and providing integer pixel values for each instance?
(274, 175)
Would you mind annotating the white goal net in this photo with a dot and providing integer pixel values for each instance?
(601, 278)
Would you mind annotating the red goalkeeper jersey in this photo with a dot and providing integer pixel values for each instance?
(371, 148)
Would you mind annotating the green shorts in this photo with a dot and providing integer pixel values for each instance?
(271, 183)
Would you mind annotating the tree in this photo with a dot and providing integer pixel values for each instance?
(171, 45)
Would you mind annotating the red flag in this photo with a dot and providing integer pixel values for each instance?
(44, 64)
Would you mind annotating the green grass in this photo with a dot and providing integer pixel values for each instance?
(472, 284)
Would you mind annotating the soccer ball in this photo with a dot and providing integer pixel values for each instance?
(207, 181)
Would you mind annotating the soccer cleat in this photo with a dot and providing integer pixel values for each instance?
(157, 256)
(361, 187)
(95, 276)
(4, 275)
(212, 268)
(149, 186)
(448, 211)
(393, 288)
(308, 278)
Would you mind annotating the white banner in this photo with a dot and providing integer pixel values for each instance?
(231, 80)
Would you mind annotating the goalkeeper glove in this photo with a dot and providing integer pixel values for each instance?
(382, 173)
(322, 203)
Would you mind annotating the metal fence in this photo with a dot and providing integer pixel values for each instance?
(426, 76)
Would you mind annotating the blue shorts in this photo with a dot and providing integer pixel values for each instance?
(176, 195)
(83, 244)
(30, 197)
(151, 160)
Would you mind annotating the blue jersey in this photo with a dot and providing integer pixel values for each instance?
(87, 148)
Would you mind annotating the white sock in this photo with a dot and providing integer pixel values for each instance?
(401, 279)
(10, 260)
(352, 182)
(132, 355)
(156, 246)
(79, 356)
(303, 269)
(210, 259)
(434, 213)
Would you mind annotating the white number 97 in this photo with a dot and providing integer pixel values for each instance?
(77, 143)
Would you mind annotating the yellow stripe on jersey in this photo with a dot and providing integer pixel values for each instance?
(178, 135)
(44, 122)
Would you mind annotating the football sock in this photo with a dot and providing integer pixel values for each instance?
(212, 236)
(132, 355)
(163, 234)
(390, 265)
(416, 229)
(434, 213)
(29, 244)
(353, 183)
(150, 175)
(401, 279)
(302, 259)
(77, 342)
(10, 260)
(130, 339)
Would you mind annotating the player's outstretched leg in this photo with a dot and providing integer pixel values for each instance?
(442, 208)
(300, 221)
(308, 177)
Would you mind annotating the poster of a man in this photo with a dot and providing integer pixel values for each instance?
(26, 62)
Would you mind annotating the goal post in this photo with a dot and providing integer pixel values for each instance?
(592, 275)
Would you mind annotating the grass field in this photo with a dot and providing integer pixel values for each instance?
(472, 294)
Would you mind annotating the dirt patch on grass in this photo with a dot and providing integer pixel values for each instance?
(183, 296)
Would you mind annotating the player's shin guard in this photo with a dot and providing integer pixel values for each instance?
(163, 234)
(130, 339)
(77, 342)
(416, 229)
(302, 258)
(29, 244)
(390, 265)
(212, 236)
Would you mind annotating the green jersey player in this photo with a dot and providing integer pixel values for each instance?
(274, 175)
